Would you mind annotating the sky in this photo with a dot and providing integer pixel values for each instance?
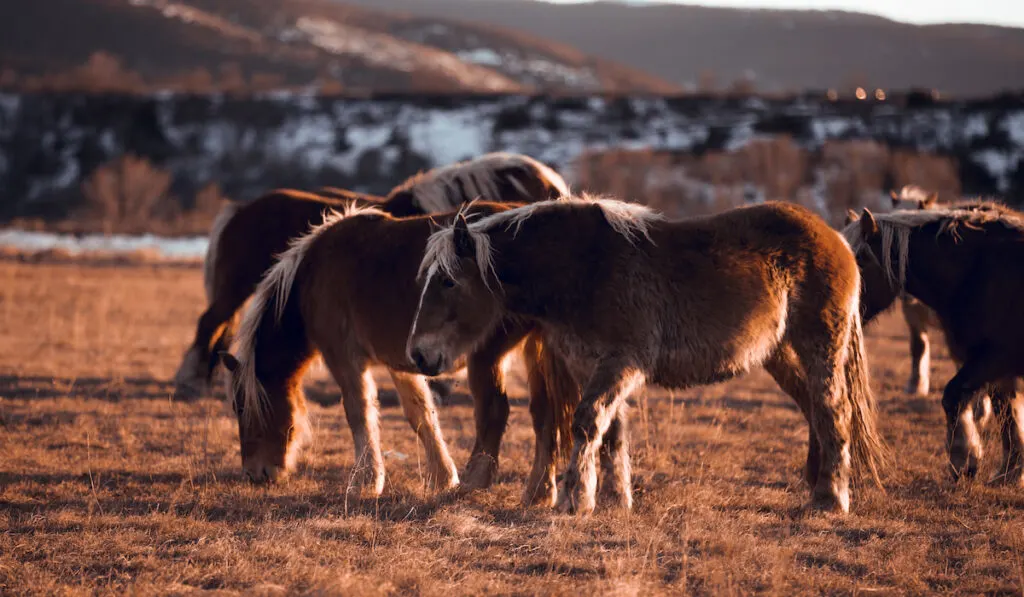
(994, 12)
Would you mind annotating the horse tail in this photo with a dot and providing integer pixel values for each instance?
(563, 393)
(220, 222)
(869, 452)
(274, 315)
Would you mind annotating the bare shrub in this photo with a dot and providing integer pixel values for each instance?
(842, 175)
(128, 194)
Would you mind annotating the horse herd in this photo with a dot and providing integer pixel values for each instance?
(462, 265)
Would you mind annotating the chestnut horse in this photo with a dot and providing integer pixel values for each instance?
(245, 239)
(347, 290)
(965, 261)
(627, 297)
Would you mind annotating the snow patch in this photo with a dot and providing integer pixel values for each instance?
(181, 248)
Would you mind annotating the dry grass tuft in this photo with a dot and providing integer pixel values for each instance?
(110, 486)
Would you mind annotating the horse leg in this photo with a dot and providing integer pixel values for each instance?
(962, 439)
(540, 486)
(418, 404)
(920, 351)
(982, 407)
(616, 471)
(214, 332)
(610, 385)
(490, 409)
(785, 368)
(359, 397)
(1010, 414)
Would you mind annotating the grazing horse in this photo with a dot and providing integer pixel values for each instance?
(966, 262)
(245, 239)
(347, 290)
(627, 297)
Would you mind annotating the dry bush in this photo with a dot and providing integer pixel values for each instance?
(842, 175)
(127, 194)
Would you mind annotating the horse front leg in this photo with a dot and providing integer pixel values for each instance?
(963, 441)
(1009, 407)
(616, 469)
(490, 407)
(610, 385)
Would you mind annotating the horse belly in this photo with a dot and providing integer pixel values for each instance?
(721, 349)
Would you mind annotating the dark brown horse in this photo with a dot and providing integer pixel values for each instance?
(246, 238)
(626, 297)
(347, 291)
(966, 262)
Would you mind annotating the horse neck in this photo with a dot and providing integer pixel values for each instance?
(935, 264)
(549, 266)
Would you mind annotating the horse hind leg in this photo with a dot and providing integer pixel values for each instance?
(540, 485)
(418, 404)
(616, 469)
(785, 368)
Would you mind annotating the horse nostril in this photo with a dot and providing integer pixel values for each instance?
(419, 360)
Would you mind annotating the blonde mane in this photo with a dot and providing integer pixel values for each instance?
(275, 287)
(895, 228)
(437, 190)
(629, 220)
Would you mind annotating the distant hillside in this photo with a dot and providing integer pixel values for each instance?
(206, 45)
(785, 50)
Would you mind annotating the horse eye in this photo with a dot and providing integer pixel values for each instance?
(447, 282)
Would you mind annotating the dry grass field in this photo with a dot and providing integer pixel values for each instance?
(110, 486)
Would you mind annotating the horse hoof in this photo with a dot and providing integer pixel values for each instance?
(479, 473)
(1013, 478)
(919, 389)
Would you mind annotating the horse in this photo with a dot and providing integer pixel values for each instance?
(919, 318)
(244, 239)
(626, 296)
(964, 262)
(346, 291)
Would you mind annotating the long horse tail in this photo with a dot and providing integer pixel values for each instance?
(272, 316)
(564, 395)
(869, 452)
(220, 222)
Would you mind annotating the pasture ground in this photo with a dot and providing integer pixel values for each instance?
(107, 485)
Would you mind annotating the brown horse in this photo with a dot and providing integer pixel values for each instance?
(347, 290)
(626, 297)
(245, 239)
(966, 262)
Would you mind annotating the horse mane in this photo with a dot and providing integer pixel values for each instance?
(220, 222)
(432, 190)
(895, 228)
(629, 220)
(275, 287)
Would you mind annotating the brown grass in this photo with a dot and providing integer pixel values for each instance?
(109, 486)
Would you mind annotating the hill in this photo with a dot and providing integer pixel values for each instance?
(208, 45)
(782, 49)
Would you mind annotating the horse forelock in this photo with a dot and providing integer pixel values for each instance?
(275, 287)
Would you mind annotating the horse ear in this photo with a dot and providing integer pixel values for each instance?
(868, 225)
(895, 198)
(930, 201)
(434, 226)
(851, 216)
(464, 244)
(229, 360)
